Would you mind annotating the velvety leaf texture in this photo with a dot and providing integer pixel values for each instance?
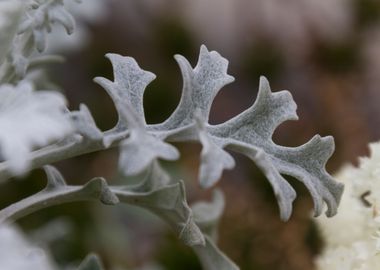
(249, 133)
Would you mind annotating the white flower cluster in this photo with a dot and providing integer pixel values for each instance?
(352, 237)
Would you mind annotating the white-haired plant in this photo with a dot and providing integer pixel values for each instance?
(37, 130)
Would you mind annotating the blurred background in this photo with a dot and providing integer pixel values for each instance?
(325, 52)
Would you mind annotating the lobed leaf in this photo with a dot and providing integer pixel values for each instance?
(128, 87)
(141, 148)
(249, 133)
(200, 86)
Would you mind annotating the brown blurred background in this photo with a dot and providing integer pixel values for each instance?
(325, 52)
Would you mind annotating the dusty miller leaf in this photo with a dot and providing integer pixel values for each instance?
(141, 148)
(249, 133)
(200, 86)
(167, 202)
(127, 89)
(29, 119)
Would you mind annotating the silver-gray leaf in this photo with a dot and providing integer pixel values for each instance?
(128, 87)
(250, 133)
(141, 148)
(200, 86)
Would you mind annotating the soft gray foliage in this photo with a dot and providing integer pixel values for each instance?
(67, 134)
(168, 202)
(31, 28)
(249, 133)
(126, 91)
(29, 119)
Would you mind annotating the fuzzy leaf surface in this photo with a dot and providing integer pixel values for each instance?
(249, 133)
(141, 148)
